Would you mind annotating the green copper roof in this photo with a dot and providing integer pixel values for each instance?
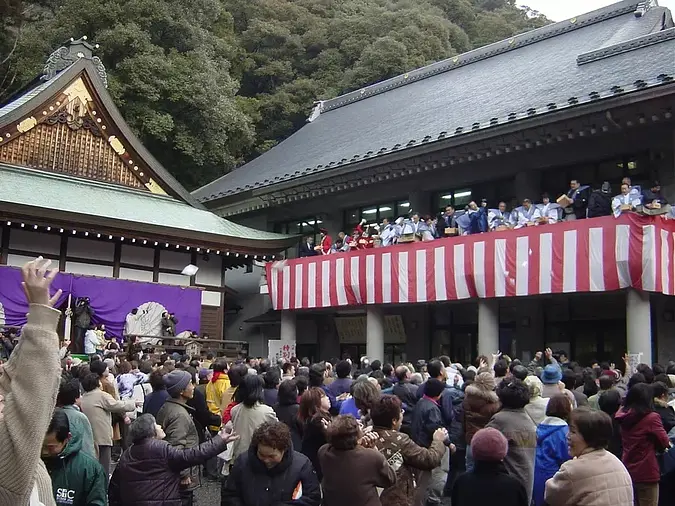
(79, 200)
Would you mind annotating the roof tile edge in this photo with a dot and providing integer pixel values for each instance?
(482, 53)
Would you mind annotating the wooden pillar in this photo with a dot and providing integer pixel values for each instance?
(4, 244)
(63, 252)
(221, 309)
(155, 266)
(117, 259)
(193, 261)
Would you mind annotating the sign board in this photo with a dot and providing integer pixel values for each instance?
(634, 359)
(352, 329)
(277, 349)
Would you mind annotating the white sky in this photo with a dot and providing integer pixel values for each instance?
(558, 10)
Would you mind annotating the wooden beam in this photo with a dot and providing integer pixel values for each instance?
(63, 253)
(4, 244)
(155, 266)
(221, 309)
(117, 258)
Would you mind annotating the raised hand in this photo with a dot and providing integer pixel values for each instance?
(36, 282)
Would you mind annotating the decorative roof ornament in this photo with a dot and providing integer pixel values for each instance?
(68, 54)
(316, 112)
(644, 6)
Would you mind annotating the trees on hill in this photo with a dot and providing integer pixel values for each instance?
(210, 84)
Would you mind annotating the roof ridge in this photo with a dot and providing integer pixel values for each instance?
(482, 53)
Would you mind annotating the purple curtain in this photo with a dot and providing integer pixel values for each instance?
(111, 299)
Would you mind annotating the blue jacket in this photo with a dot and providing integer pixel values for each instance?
(551, 453)
(446, 403)
(426, 420)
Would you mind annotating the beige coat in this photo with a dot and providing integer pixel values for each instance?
(596, 478)
(245, 421)
(98, 405)
(29, 383)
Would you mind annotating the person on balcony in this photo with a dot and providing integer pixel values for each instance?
(624, 202)
(478, 218)
(600, 201)
(653, 198)
(341, 243)
(525, 215)
(549, 212)
(390, 232)
(326, 243)
(307, 248)
(447, 226)
(579, 195)
(500, 218)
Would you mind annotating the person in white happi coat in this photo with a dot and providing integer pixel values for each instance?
(549, 210)
(389, 233)
(624, 202)
(499, 217)
(526, 214)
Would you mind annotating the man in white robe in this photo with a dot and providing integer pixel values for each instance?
(526, 215)
(549, 210)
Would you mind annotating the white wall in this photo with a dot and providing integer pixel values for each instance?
(104, 271)
(138, 256)
(86, 248)
(28, 240)
(211, 298)
(21, 260)
(174, 279)
(209, 272)
(135, 274)
(174, 260)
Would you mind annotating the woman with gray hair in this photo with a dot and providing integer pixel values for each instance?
(149, 471)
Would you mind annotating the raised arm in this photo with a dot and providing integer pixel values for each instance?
(184, 458)
(29, 398)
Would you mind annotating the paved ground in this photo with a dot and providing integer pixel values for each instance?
(208, 494)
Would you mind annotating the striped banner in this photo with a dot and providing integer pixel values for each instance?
(596, 255)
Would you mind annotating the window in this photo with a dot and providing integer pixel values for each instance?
(306, 227)
(375, 214)
(456, 198)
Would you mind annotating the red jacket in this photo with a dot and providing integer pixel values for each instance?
(642, 437)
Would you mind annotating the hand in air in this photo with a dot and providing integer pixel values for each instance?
(36, 282)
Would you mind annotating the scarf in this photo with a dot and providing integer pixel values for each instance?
(216, 375)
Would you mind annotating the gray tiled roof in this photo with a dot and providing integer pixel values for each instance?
(484, 87)
(85, 200)
(25, 98)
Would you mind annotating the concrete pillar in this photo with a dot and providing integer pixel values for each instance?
(288, 326)
(488, 326)
(639, 324)
(528, 186)
(374, 333)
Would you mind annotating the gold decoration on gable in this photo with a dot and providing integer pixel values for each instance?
(154, 187)
(117, 145)
(26, 124)
(78, 90)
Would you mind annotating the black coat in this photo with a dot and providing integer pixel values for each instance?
(442, 224)
(489, 484)
(667, 415)
(426, 420)
(580, 202)
(289, 415)
(407, 393)
(599, 204)
(313, 438)
(251, 483)
(201, 414)
(305, 251)
(148, 474)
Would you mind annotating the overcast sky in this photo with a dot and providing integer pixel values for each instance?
(558, 10)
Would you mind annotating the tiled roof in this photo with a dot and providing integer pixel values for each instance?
(82, 200)
(598, 55)
(25, 98)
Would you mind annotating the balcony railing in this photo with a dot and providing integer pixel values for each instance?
(593, 255)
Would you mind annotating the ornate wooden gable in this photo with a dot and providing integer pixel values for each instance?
(66, 125)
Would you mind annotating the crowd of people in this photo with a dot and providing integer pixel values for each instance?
(134, 430)
(580, 202)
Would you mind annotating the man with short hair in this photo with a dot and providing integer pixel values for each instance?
(407, 393)
(78, 479)
(68, 399)
(605, 383)
(288, 370)
(343, 383)
(175, 417)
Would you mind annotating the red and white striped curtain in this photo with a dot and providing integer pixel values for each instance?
(596, 255)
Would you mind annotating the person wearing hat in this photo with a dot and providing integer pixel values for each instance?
(479, 405)
(175, 417)
(489, 483)
(551, 377)
(326, 242)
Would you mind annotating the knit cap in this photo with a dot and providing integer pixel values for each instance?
(485, 381)
(489, 445)
(176, 382)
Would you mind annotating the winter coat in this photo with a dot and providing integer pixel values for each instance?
(595, 478)
(521, 434)
(599, 204)
(80, 428)
(445, 403)
(426, 420)
(407, 459)
(251, 483)
(148, 473)
(489, 484)
(479, 406)
(217, 395)
(407, 393)
(351, 477)
(642, 436)
(201, 415)
(340, 386)
(666, 413)
(313, 438)
(456, 430)
(536, 409)
(270, 395)
(551, 453)
(181, 432)
(77, 478)
(245, 421)
(154, 401)
(98, 406)
(289, 415)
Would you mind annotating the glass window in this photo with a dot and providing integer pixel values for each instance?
(386, 211)
(457, 198)
(402, 208)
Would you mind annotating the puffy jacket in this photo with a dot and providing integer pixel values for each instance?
(479, 406)
(77, 478)
(456, 429)
(551, 453)
(176, 420)
(215, 395)
(426, 420)
(251, 483)
(148, 474)
(642, 436)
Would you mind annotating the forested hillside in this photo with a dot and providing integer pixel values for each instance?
(210, 84)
